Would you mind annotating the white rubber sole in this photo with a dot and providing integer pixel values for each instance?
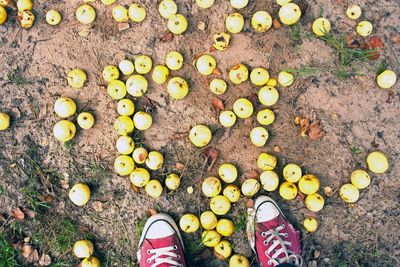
(160, 217)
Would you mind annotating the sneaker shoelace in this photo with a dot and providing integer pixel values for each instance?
(170, 257)
(275, 236)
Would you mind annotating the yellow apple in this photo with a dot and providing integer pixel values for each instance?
(205, 64)
(221, 41)
(172, 181)
(24, 5)
(64, 130)
(243, 108)
(310, 224)
(364, 28)
(125, 145)
(85, 120)
(234, 23)
(227, 118)
(3, 15)
(120, 13)
(259, 136)
(218, 86)
(377, 162)
(220, 205)
(76, 78)
(126, 66)
(309, 184)
(272, 82)
(289, 13)
(139, 155)
(116, 89)
(268, 96)
(123, 165)
(238, 260)
(26, 19)
(232, 193)
(386, 79)
(137, 13)
(177, 88)
(125, 107)
(238, 73)
(142, 120)
(143, 64)
(110, 73)
(83, 249)
(124, 125)
(314, 202)
(228, 172)
(349, 193)
(282, 2)
(85, 14)
(160, 74)
(189, 223)
(239, 4)
(139, 177)
(174, 60)
(321, 26)
(360, 179)
(53, 17)
(223, 250)
(285, 78)
(4, 121)
(154, 160)
(200, 135)
(269, 180)
(211, 187)
(208, 220)
(225, 227)
(266, 162)
(250, 187)
(154, 188)
(261, 21)
(65, 107)
(265, 117)
(292, 173)
(353, 12)
(90, 262)
(288, 190)
(167, 8)
(137, 85)
(177, 24)
(210, 238)
(108, 2)
(259, 76)
(205, 3)
(79, 194)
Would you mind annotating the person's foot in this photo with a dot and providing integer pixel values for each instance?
(275, 241)
(161, 243)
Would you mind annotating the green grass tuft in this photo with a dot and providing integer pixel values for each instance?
(8, 255)
(16, 76)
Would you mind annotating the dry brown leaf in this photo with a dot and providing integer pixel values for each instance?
(152, 211)
(328, 191)
(301, 196)
(167, 37)
(180, 135)
(277, 149)
(201, 25)
(350, 38)
(304, 125)
(211, 156)
(30, 213)
(97, 206)
(45, 260)
(314, 131)
(64, 183)
(249, 121)
(33, 257)
(18, 214)
(48, 198)
(122, 26)
(26, 250)
(218, 104)
(391, 96)
(249, 203)
(179, 166)
(297, 120)
(84, 229)
(395, 39)
(135, 188)
(217, 72)
(277, 24)
(212, 49)
(253, 174)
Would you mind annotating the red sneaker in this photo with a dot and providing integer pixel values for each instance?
(161, 243)
(273, 238)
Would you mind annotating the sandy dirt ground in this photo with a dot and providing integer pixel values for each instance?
(356, 116)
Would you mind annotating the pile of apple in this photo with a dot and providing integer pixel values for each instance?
(25, 16)
(83, 249)
(214, 229)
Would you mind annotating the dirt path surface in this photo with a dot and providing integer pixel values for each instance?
(356, 116)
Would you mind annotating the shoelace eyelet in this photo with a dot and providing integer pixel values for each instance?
(286, 235)
(263, 234)
(148, 261)
(178, 257)
(265, 243)
(148, 252)
(283, 226)
(175, 247)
